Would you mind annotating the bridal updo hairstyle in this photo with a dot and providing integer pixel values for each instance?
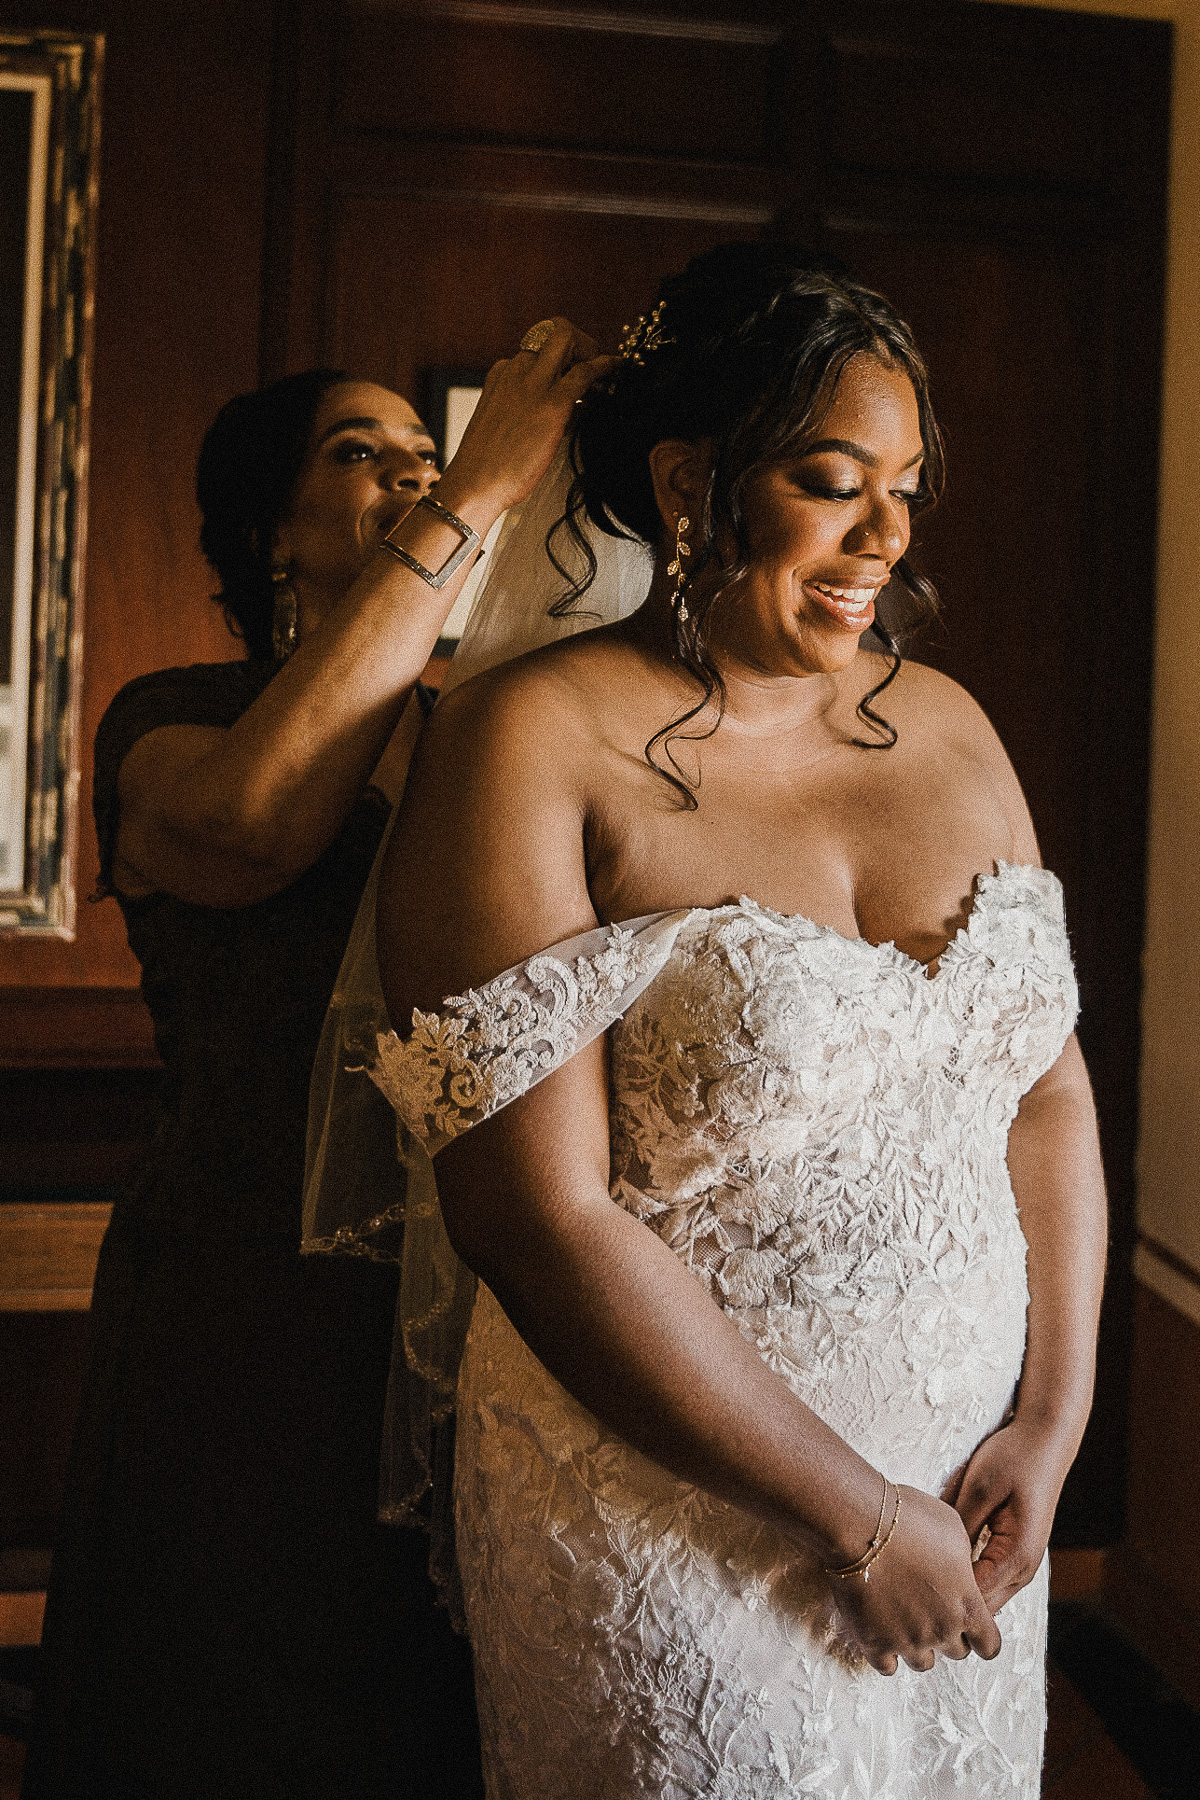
(250, 462)
(753, 340)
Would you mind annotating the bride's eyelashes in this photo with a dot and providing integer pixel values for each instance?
(906, 496)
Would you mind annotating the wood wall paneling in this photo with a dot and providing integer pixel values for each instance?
(73, 1027)
(428, 250)
(504, 79)
(980, 118)
(513, 127)
(1155, 1589)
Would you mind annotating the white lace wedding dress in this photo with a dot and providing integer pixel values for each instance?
(817, 1128)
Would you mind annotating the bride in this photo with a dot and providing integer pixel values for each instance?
(756, 1109)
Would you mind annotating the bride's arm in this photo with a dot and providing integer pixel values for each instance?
(1014, 1479)
(486, 867)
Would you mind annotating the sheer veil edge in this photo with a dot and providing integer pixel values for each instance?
(369, 1185)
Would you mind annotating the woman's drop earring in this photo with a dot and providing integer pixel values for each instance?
(675, 568)
(283, 631)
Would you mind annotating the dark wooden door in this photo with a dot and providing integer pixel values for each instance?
(1007, 192)
(447, 171)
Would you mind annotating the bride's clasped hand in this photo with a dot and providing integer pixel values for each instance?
(922, 1598)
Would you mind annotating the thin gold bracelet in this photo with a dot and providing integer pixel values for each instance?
(879, 1543)
(876, 1541)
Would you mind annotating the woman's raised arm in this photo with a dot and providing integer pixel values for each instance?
(223, 817)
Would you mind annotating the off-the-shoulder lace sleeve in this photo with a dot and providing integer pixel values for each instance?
(459, 1066)
(490, 1045)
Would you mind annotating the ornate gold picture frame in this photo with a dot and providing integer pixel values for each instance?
(49, 175)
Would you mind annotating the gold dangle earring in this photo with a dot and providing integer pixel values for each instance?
(283, 629)
(675, 568)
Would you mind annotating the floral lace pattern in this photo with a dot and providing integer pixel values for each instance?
(491, 1044)
(817, 1127)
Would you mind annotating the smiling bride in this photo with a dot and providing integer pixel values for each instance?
(756, 1108)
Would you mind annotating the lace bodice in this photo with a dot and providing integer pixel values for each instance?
(817, 1127)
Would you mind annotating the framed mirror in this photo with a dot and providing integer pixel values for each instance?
(49, 169)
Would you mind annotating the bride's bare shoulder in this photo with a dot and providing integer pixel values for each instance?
(948, 735)
(925, 700)
(486, 864)
(558, 694)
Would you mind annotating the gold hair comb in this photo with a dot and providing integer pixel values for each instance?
(645, 335)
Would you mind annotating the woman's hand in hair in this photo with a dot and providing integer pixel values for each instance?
(527, 403)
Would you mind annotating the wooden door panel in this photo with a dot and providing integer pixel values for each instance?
(569, 84)
(466, 278)
(978, 117)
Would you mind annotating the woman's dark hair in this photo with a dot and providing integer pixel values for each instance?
(753, 341)
(249, 464)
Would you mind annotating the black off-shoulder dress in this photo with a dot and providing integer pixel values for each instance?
(226, 1616)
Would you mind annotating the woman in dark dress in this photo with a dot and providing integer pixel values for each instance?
(226, 1616)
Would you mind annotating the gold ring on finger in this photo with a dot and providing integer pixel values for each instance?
(537, 335)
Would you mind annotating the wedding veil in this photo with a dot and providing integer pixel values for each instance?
(370, 1187)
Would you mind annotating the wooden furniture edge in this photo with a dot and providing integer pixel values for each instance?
(48, 1252)
(75, 1027)
(21, 1620)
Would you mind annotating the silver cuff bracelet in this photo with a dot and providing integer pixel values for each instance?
(438, 578)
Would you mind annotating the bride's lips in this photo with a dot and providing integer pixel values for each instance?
(851, 606)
